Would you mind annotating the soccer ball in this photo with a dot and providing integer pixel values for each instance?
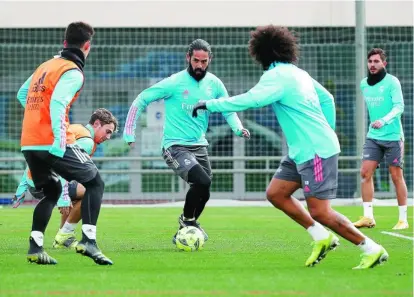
(189, 239)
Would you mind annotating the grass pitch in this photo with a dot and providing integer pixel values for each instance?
(251, 252)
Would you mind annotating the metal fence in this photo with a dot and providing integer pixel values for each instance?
(124, 61)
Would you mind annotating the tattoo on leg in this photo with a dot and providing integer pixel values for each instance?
(341, 220)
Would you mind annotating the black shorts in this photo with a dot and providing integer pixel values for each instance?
(182, 158)
(75, 165)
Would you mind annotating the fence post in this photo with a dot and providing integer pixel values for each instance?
(360, 69)
(239, 180)
(135, 184)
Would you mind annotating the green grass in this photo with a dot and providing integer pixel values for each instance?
(251, 251)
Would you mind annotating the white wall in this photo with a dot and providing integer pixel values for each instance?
(201, 13)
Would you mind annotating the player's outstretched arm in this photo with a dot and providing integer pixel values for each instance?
(66, 88)
(327, 103)
(159, 91)
(267, 91)
(24, 89)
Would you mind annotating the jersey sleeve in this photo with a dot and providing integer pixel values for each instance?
(64, 199)
(265, 92)
(66, 88)
(231, 117)
(23, 91)
(159, 91)
(327, 103)
(23, 185)
(397, 102)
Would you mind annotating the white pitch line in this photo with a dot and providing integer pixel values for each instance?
(398, 235)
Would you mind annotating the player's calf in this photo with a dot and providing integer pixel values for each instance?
(91, 202)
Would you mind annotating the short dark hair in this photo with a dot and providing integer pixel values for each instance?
(199, 44)
(377, 51)
(77, 33)
(271, 43)
(105, 117)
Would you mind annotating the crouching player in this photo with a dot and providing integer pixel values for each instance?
(102, 125)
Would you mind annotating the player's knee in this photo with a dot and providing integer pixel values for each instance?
(96, 184)
(366, 174)
(204, 181)
(72, 190)
(80, 191)
(198, 177)
(318, 214)
(270, 194)
(53, 189)
(203, 191)
(203, 184)
(275, 195)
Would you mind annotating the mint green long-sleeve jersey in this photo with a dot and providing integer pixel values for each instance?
(180, 93)
(304, 108)
(385, 102)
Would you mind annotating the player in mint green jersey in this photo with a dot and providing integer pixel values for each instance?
(184, 145)
(306, 113)
(385, 139)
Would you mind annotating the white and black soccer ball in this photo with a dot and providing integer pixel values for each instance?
(189, 239)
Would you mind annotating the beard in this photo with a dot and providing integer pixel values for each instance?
(374, 78)
(376, 71)
(198, 73)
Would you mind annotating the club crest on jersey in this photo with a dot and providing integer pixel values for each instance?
(185, 94)
(381, 89)
(209, 91)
